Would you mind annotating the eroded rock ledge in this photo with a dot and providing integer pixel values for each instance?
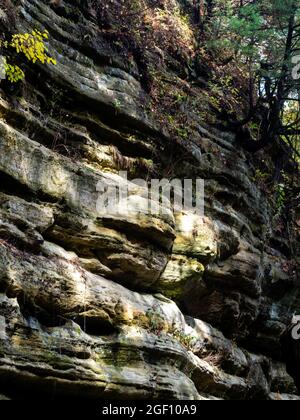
(128, 307)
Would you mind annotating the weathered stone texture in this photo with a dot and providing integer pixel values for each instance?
(128, 305)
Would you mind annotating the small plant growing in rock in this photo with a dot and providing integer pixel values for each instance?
(152, 320)
(262, 179)
(213, 359)
(156, 323)
(187, 340)
(280, 198)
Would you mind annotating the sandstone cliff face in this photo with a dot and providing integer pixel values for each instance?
(129, 306)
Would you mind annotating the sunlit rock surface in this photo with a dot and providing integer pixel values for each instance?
(128, 305)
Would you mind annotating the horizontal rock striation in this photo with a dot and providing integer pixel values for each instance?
(129, 305)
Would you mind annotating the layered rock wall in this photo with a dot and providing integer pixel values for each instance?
(128, 305)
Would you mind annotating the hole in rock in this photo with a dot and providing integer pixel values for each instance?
(96, 327)
(11, 186)
(29, 309)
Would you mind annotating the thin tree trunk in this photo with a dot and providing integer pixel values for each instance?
(274, 124)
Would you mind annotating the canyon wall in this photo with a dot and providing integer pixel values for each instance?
(130, 305)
